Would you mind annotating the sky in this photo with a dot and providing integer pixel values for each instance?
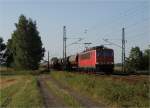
(91, 20)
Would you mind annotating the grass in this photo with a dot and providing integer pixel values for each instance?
(7, 93)
(11, 71)
(63, 94)
(104, 89)
(22, 94)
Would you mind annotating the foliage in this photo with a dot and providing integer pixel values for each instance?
(2, 48)
(137, 60)
(25, 47)
(9, 54)
(146, 59)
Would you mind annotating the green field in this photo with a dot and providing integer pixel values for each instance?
(18, 90)
(22, 93)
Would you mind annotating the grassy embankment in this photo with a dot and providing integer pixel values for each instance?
(105, 89)
(22, 93)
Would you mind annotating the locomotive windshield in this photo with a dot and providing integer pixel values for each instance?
(106, 53)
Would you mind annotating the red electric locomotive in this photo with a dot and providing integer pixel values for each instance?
(97, 59)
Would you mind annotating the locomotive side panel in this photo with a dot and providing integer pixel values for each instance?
(87, 59)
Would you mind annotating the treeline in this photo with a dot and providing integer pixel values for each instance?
(138, 60)
(24, 50)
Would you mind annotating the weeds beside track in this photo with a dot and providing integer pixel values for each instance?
(107, 89)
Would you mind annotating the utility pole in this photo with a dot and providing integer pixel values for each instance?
(123, 49)
(64, 46)
(48, 62)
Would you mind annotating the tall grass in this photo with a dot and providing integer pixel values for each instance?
(7, 93)
(23, 94)
(105, 89)
(28, 96)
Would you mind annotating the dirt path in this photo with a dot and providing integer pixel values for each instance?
(48, 98)
(85, 101)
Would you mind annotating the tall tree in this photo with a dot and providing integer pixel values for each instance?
(135, 59)
(9, 54)
(2, 48)
(146, 59)
(26, 44)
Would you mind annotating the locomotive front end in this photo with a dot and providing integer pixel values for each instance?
(105, 60)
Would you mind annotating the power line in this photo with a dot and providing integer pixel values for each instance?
(116, 31)
(120, 17)
(126, 13)
(76, 42)
(112, 43)
(129, 26)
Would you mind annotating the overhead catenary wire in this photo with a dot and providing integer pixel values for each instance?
(76, 42)
(130, 26)
(127, 27)
(123, 15)
(120, 17)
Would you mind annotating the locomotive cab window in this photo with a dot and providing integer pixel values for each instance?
(99, 53)
(107, 53)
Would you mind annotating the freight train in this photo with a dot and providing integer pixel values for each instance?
(95, 59)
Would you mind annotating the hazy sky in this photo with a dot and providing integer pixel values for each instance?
(102, 19)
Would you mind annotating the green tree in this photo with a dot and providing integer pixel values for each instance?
(135, 59)
(146, 59)
(9, 54)
(2, 48)
(26, 45)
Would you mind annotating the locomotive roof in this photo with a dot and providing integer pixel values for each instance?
(97, 47)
